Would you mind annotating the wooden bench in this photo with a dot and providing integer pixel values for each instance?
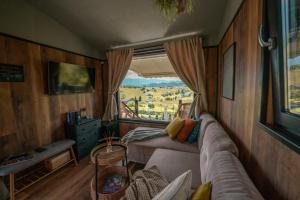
(50, 150)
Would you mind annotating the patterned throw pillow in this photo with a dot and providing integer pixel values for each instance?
(178, 189)
(194, 134)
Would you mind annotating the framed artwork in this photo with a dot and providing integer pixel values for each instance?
(229, 73)
(11, 73)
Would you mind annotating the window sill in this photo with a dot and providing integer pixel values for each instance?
(137, 121)
(281, 135)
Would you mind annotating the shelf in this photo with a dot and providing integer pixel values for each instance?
(35, 175)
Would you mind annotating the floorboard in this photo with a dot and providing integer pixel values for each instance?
(71, 182)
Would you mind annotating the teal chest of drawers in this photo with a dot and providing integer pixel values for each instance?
(86, 134)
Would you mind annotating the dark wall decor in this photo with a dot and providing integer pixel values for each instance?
(11, 73)
(229, 72)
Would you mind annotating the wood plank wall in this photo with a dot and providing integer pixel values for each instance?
(274, 168)
(211, 55)
(29, 117)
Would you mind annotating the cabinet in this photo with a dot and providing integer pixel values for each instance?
(86, 134)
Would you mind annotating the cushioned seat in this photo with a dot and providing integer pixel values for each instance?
(229, 179)
(215, 140)
(141, 151)
(51, 150)
(173, 163)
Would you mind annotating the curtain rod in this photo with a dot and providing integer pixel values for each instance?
(157, 40)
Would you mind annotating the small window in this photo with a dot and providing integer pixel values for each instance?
(151, 90)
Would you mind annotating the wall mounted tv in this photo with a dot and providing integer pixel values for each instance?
(64, 78)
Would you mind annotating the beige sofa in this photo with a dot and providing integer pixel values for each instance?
(214, 157)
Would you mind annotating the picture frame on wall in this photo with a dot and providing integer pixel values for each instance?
(229, 72)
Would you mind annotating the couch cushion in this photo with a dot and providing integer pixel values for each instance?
(194, 134)
(173, 163)
(174, 127)
(215, 139)
(229, 179)
(186, 130)
(206, 119)
(141, 151)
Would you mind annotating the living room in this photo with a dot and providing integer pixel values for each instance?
(200, 95)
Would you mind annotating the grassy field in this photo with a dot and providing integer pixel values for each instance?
(156, 102)
(294, 90)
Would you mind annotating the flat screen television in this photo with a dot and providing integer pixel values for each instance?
(64, 78)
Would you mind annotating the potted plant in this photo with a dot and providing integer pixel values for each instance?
(171, 8)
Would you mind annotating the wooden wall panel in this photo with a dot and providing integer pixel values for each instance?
(273, 167)
(211, 61)
(35, 118)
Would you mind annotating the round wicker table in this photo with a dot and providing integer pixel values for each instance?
(105, 166)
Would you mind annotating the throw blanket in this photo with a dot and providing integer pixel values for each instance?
(145, 184)
(143, 133)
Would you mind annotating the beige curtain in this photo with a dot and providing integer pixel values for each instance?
(187, 58)
(118, 64)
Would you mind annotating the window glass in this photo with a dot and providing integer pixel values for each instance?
(153, 91)
(292, 29)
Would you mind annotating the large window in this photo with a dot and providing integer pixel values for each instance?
(153, 91)
(292, 42)
(282, 21)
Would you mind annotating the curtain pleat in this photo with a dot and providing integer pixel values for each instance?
(187, 58)
(118, 64)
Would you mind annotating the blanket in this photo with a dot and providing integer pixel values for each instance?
(145, 184)
(142, 133)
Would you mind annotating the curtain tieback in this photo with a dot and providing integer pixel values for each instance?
(197, 94)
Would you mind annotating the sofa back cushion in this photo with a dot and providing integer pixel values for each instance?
(229, 179)
(206, 119)
(174, 127)
(186, 130)
(215, 140)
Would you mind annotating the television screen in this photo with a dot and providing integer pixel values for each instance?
(64, 78)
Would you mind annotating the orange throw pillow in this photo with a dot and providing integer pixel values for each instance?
(188, 126)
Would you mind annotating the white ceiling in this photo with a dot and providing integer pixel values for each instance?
(107, 23)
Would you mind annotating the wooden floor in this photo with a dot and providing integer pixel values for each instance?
(71, 182)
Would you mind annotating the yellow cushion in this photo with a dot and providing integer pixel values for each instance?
(174, 127)
(203, 192)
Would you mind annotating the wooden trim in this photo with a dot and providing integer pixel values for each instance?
(49, 46)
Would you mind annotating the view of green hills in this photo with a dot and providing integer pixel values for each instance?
(157, 98)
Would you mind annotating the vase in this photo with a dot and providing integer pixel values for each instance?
(108, 147)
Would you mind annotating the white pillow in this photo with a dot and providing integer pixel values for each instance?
(178, 189)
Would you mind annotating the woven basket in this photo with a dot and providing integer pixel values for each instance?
(108, 171)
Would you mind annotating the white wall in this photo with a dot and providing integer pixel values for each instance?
(20, 19)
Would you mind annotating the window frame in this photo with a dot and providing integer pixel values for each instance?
(286, 125)
(142, 52)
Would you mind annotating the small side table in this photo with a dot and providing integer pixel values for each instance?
(104, 166)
